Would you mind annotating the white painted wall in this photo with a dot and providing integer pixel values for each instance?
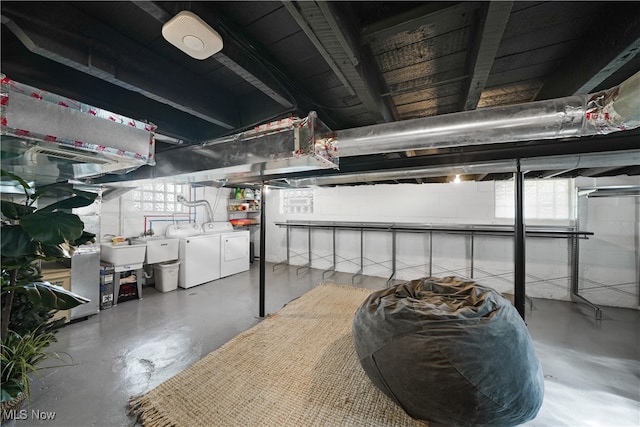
(609, 263)
(465, 203)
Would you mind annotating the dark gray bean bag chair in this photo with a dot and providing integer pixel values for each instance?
(450, 351)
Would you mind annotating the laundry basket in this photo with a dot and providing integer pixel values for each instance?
(167, 276)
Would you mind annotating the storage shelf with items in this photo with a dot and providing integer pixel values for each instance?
(244, 207)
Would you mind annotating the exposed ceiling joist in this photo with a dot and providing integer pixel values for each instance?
(132, 66)
(304, 26)
(402, 60)
(231, 57)
(614, 42)
(409, 21)
(492, 23)
(362, 69)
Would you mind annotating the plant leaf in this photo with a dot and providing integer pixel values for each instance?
(49, 295)
(70, 203)
(16, 242)
(62, 189)
(22, 182)
(85, 238)
(53, 228)
(53, 251)
(14, 210)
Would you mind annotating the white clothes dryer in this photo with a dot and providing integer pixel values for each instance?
(234, 247)
(234, 253)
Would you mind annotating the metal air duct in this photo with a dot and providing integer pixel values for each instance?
(50, 138)
(612, 110)
(280, 147)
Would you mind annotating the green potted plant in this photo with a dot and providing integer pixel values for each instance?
(30, 234)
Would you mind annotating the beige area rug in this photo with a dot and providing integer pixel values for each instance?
(297, 367)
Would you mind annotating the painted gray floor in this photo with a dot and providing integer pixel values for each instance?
(592, 373)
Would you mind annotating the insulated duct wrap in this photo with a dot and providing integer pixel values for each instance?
(613, 110)
(40, 129)
(284, 146)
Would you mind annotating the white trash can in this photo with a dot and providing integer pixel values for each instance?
(167, 276)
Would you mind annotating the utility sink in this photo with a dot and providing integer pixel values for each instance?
(122, 254)
(159, 249)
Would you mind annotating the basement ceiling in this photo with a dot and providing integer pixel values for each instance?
(354, 63)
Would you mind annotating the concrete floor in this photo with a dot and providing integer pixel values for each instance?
(591, 367)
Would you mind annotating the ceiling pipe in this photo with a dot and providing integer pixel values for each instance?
(613, 110)
(529, 165)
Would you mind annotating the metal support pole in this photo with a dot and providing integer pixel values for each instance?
(359, 272)
(471, 275)
(519, 255)
(430, 253)
(332, 269)
(263, 238)
(308, 264)
(393, 257)
(286, 262)
(574, 261)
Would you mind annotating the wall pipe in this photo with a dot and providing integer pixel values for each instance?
(612, 110)
(148, 221)
(205, 203)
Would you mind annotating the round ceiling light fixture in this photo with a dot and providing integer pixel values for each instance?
(189, 33)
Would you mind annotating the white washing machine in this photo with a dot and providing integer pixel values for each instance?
(199, 260)
(234, 247)
(199, 254)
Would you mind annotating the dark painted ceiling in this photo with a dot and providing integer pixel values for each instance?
(355, 63)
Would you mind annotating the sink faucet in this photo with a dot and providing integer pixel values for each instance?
(149, 233)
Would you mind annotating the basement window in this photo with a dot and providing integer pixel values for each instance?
(298, 201)
(543, 199)
(158, 197)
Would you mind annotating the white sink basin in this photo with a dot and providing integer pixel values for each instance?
(122, 254)
(159, 249)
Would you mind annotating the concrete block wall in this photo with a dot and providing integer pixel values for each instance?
(119, 218)
(548, 268)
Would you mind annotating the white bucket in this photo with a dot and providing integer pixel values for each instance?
(167, 276)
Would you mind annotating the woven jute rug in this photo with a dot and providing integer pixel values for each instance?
(297, 367)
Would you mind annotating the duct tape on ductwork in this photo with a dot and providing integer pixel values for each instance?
(615, 109)
(34, 114)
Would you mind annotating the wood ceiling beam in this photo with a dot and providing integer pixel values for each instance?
(614, 42)
(408, 21)
(232, 56)
(132, 66)
(492, 21)
(304, 26)
(370, 84)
